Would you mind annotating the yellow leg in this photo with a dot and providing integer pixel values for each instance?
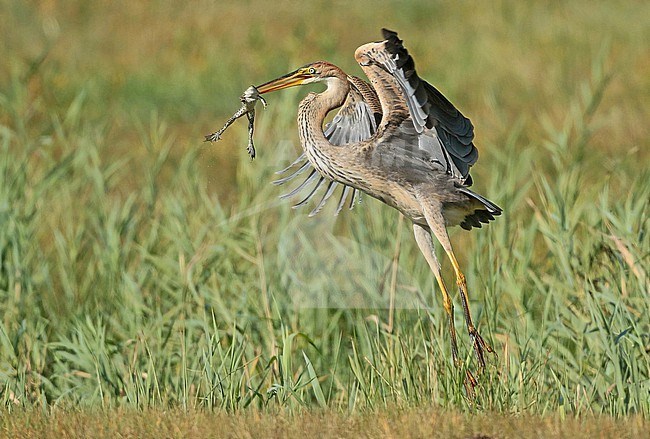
(423, 238)
(432, 210)
(470, 381)
(480, 345)
(449, 309)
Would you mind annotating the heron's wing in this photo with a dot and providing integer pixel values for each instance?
(367, 94)
(357, 118)
(431, 109)
(431, 114)
(355, 121)
(298, 167)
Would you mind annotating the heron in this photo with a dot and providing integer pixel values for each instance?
(399, 140)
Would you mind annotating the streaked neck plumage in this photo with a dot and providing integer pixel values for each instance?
(312, 111)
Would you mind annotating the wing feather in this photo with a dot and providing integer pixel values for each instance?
(356, 120)
(299, 171)
(429, 109)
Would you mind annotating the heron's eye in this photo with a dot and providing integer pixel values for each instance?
(312, 71)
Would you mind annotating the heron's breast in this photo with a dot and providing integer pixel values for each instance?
(396, 195)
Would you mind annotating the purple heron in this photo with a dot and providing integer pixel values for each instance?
(397, 139)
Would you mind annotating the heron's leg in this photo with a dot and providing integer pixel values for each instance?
(423, 238)
(437, 224)
(480, 344)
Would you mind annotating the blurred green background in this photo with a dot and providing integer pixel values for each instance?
(501, 62)
(142, 267)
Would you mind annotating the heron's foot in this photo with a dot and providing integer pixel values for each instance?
(480, 346)
(470, 383)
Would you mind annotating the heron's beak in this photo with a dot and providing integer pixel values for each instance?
(288, 80)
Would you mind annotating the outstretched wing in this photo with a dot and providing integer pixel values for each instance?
(447, 133)
(357, 118)
(356, 121)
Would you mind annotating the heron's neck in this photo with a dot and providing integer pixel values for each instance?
(322, 154)
(314, 108)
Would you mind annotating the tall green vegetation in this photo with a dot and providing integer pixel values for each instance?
(133, 274)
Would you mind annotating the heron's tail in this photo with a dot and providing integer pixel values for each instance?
(485, 213)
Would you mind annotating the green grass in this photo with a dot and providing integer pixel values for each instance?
(142, 269)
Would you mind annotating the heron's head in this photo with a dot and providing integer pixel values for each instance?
(319, 71)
